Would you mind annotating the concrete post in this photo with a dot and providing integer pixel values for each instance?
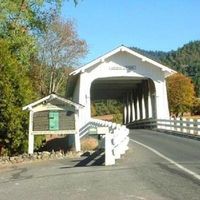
(109, 150)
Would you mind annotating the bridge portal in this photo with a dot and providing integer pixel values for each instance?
(125, 75)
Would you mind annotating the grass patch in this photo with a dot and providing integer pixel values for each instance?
(89, 143)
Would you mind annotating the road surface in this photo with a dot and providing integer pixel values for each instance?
(156, 167)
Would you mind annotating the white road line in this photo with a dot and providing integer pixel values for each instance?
(168, 159)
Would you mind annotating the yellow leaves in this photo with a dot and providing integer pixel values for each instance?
(181, 93)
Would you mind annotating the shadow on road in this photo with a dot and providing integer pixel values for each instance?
(95, 159)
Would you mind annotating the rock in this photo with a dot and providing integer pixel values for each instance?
(13, 160)
(19, 160)
(52, 156)
(45, 155)
(34, 156)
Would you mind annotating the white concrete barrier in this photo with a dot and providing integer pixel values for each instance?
(116, 141)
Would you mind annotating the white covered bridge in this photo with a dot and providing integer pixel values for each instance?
(122, 74)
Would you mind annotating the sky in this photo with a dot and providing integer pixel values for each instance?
(161, 25)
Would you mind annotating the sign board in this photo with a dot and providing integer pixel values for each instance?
(53, 120)
(53, 114)
(102, 130)
(92, 131)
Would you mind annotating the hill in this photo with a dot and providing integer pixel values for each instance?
(154, 55)
(185, 60)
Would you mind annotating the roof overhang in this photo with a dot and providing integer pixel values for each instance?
(49, 98)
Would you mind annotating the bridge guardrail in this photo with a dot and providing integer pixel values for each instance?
(115, 142)
(188, 126)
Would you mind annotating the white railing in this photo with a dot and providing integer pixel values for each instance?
(115, 141)
(183, 125)
(187, 126)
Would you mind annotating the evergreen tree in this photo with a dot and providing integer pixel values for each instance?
(15, 92)
(186, 60)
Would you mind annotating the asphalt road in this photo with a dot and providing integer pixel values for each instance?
(145, 172)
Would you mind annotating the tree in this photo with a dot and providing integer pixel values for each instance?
(186, 60)
(59, 50)
(196, 107)
(181, 94)
(21, 20)
(15, 92)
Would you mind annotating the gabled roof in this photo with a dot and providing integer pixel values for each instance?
(49, 98)
(73, 76)
(128, 50)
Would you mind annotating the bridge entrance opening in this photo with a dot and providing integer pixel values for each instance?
(134, 98)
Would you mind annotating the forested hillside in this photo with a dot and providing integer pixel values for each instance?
(154, 55)
(186, 60)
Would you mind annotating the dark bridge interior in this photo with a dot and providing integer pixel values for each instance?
(113, 88)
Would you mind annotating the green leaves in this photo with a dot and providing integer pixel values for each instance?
(20, 23)
(15, 91)
(186, 60)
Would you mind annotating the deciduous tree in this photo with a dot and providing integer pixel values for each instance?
(60, 49)
(181, 94)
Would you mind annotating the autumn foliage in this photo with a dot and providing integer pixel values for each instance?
(181, 94)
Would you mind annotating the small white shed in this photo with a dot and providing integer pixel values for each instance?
(53, 114)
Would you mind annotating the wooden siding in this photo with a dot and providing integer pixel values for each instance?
(41, 120)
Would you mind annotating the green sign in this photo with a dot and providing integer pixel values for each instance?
(93, 130)
(53, 120)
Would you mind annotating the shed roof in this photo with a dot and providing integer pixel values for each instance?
(49, 98)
